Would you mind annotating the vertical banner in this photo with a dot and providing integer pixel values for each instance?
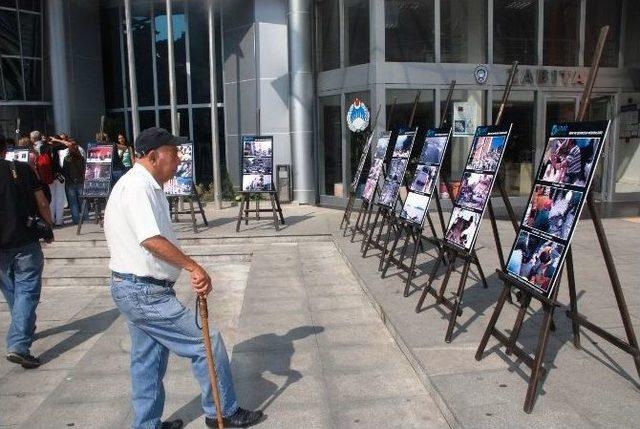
(562, 184)
(379, 154)
(425, 179)
(182, 183)
(97, 173)
(397, 168)
(257, 164)
(476, 184)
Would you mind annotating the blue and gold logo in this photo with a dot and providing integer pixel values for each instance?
(358, 116)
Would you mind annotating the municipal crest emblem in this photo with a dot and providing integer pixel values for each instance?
(358, 116)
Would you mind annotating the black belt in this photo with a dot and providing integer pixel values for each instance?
(138, 279)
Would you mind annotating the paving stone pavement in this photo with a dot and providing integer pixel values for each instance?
(305, 343)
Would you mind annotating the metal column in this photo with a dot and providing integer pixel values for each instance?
(301, 100)
(175, 127)
(133, 85)
(58, 66)
(215, 143)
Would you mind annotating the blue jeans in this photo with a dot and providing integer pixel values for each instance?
(74, 192)
(21, 282)
(159, 323)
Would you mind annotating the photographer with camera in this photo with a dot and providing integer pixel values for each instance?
(26, 219)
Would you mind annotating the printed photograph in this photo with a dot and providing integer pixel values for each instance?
(100, 153)
(432, 150)
(415, 207)
(553, 210)
(179, 186)
(396, 169)
(372, 179)
(381, 147)
(98, 172)
(388, 194)
(96, 188)
(254, 165)
(535, 260)
(260, 147)
(185, 152)
(402, 149)
(569, 160)
(462, 227)
(256, 182)
(424, 179)
(486, 153)
(474, 190)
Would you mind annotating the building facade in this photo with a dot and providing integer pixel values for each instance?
(291, 68)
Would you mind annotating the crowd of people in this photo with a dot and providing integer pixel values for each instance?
(58, 162)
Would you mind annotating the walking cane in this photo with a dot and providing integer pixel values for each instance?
(213, 376)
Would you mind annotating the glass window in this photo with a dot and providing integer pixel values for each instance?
(162, 54)
(465, 106)
(114, 125)
(463, 31)
(356, 141)
(180, 52)
(202, 145)
(141, 24)
(514, 31)
(409, 35)
(561, 29)
(33, 5)
(31, 35)
(328, 25)
(9, 43)
(199, 52)
(164, 116)
(33, 79)
(12, 77)
(632, 35)
(331, 146)
(559, 110)
(147, 119)
(111, 61)
(8, 3)
(356, 18)
(517, 163)
(400, 104)
(599, 14)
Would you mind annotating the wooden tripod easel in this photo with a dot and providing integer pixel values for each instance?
(452, 253)
(275, 210)
(175, 203)
(549, 304)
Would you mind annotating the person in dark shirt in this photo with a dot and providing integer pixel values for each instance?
(21, 259)
(73, 172)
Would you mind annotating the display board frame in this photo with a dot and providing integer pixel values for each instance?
(476, 185)
(432, 169)
(250, 173)
(100, 185)
(396, 169)
(185, 173)
(377, 165)
(561, 174)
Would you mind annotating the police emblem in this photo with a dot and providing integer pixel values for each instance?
(481, 73)
(357, 116)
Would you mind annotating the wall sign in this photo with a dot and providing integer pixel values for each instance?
(358, 116)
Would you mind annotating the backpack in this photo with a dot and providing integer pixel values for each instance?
(44, 165)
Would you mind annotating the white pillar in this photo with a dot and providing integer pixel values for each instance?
(58, 66)
(133, 84)
(175, 130)
(215, 144)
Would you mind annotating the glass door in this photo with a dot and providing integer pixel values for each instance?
(601, 109)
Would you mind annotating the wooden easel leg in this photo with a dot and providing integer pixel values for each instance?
(447, 275)
(436, 196)
(456, 305)
(258, 207)
(412, 267)
(357, 226)
(369, 226)
(275, 212)
(432, 276)
(537, 363)
(492, 322)
(239, 221)
(193, 216)
(392, 251)
(246, 208)
(387, 237)
(517, 326)
(476, 262)
(573, 299)
(347, 212)
(201, 210)
(386, 221)
(403, 252)
(277, 198)
(99, 217)
(82, 211)
(433, 229)
(368, 239)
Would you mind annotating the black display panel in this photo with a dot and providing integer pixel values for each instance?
(379, 154)
(397, 168)
(560, 190)
(257, 164)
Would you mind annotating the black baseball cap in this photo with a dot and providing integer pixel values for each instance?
(154, 137)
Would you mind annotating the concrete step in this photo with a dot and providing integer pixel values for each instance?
(87, 261)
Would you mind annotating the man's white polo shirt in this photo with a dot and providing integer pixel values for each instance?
(138, 209)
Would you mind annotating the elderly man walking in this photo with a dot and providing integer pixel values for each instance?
(145, 263)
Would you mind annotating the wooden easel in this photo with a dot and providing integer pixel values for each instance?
(97, 204)
(453, 253)
(346, 217)
(176, 204)
(275, 209)
(416, 232)
(630, 346)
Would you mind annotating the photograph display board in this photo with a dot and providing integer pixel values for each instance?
(476, 184)
(182, 184)
(379, 154)
(555, 203)
(425, 179)
(97, 173)
(363, 159)
(20, 154)
(397, 167)
(257, 164)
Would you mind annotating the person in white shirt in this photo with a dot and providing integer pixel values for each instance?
(145, 263)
